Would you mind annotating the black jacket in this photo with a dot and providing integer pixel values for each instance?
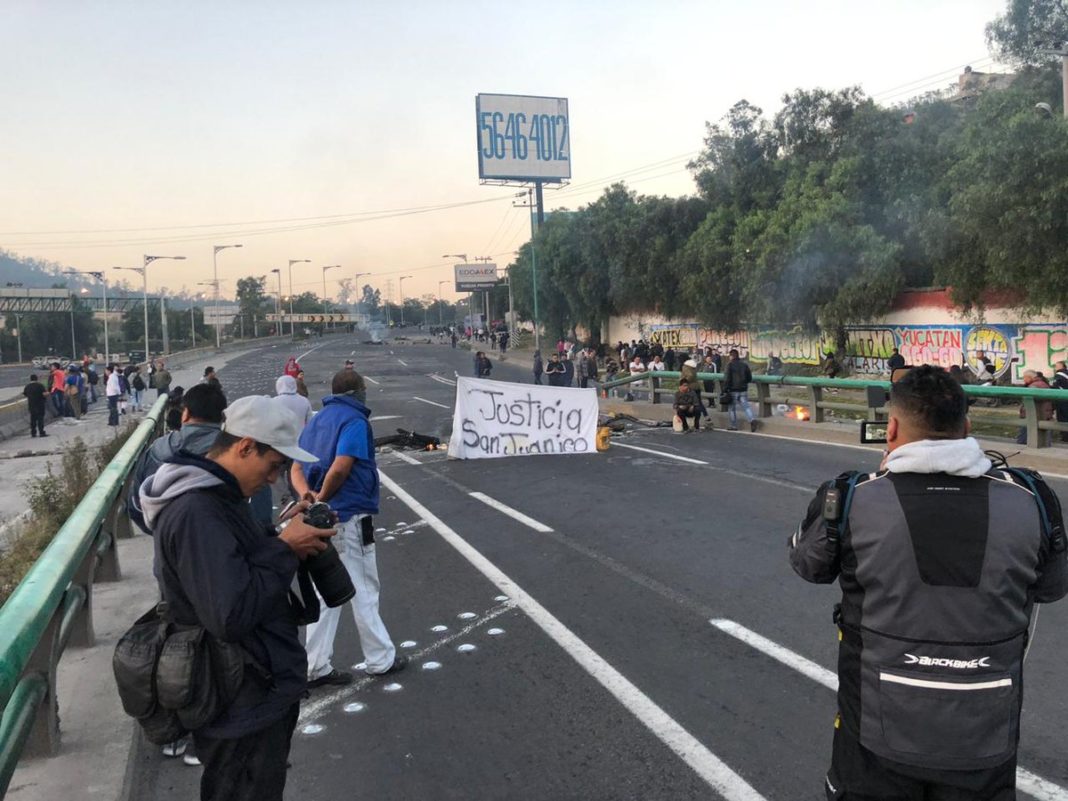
(35, 396)
(221, 569)
(737, 376)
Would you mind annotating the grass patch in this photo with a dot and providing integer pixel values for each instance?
(51, 499)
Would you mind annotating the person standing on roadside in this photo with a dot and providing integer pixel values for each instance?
(287, 393)
(57, 388)
(538, 367)
(72, 389)
(555, 371)
(940, 558)
(163, 379)
(113, 390)
(34, 392)
(137, 388)
(345, 476)
(302, 388)
(736, 381)
(1060, 381)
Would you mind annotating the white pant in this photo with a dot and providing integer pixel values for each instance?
(378, 648)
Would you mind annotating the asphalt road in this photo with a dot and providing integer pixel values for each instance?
(595, 671)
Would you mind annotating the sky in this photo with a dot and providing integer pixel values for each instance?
(345, 132)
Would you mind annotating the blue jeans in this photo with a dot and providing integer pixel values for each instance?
(740, 399)
(113, 410)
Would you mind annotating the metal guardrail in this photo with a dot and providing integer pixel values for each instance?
(873, 409)
(53, 605)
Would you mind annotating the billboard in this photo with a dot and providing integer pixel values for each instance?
(474, 277)
(225, 316)
(523, 138)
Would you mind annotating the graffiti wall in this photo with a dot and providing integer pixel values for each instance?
(1012, 349)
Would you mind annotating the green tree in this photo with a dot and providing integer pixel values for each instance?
(252, 298)
(1028, 30)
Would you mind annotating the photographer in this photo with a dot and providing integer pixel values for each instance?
(221, 570)
(344, 475)
(940, 560)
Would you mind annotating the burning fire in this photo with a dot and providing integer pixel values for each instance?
(798, 413)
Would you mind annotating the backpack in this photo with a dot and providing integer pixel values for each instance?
(138, 382)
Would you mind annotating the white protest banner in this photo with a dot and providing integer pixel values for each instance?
(498, 418)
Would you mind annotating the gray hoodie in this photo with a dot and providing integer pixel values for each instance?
(286, 394)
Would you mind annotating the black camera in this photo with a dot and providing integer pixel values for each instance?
(327, 572)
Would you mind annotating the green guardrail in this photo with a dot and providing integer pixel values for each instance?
(52, 605)
(875, 406)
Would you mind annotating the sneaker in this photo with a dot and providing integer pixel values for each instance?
(752, 425)
(399, 663)
(191, 760)
(337, 678)
(175, 749)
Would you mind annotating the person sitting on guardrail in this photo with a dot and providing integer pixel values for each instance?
(686, 406)
(1043, 408)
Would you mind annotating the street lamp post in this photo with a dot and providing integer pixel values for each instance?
(441, 313)
(143, 270)
(100, 276)
(470, 305)
(359, 297)
(215, 300)
(278, 302)
(292, 331)
(400, 289)
(327, 267)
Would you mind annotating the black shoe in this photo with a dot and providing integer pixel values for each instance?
(752, 425)
(399, 663)
(335, 677)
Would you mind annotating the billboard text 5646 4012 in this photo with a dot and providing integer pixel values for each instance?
(523, 138)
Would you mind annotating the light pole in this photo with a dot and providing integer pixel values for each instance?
(400, 289)
(215, 276)
(359, 297)
(291, 263)
(100, 276)
(278, 303)
(143, 270)
(470, 306)
(441, 320)
(327, 267)
(18, 334)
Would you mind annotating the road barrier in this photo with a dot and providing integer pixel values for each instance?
(53, 605)
(876, 397)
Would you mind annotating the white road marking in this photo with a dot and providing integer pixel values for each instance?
(512, 513)
(432, 403)
(368, 378)
(1026, 782)
(406, 458)
(352, 353)
(312, 709)
(385, 417)
(311, 350)
(441, 379)
(687, 747)
(657, 453)
(403, 362)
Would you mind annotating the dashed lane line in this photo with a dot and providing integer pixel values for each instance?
(779, 482)
(368, 378)
(441, 379)
(432, 403)
(1027, 782)
(401, 361)
(716, 773)
(406, 458)
(686, 459)
(515, 514)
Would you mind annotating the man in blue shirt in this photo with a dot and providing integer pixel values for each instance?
(345, 476)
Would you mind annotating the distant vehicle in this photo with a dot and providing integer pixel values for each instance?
(42, 362)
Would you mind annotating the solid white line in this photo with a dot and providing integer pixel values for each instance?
(432, 403)
(806, 667)
(1026, 782)
(378, 417)
(512, 513)
(687, 747)
(368, 378)
(403, 362)
(658, 453)
(406, 458)
(441, 379)
(312, 350)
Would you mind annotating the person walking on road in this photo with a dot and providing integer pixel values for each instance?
(736, 381)
(940, 560)
(34, 392)
(539, 368)
(292, 368)
(345, 476)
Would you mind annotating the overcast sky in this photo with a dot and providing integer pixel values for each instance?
(180, 118)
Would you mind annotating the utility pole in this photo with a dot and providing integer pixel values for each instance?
(534, 201)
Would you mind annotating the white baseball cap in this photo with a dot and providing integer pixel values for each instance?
(269, 423)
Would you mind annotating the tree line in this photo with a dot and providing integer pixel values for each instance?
(819, 215)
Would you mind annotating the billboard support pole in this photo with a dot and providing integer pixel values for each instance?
(534, 263)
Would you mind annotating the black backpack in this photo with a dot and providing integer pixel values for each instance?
(138, 382)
